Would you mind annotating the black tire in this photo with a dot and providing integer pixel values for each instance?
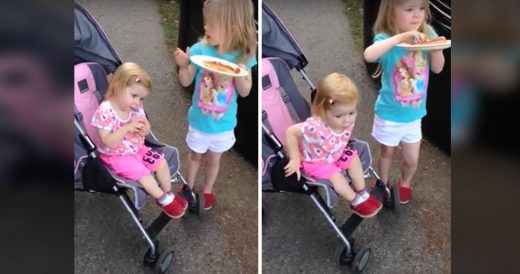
(148, 258)
(395, 198)
(361, 259)
(164, 262)
(200, 203)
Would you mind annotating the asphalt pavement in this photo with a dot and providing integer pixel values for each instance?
(295, 235)
(225, 239)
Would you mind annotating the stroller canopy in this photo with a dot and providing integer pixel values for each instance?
(277, 41)
(90, 42)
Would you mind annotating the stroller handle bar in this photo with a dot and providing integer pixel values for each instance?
(274, 141)
(87, 142)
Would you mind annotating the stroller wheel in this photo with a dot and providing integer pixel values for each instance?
(148, 258)
(345, 258)
(196, 206)
(361, 259)
(164, 262)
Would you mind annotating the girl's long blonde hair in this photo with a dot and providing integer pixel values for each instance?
(234, 20)
(335, 88)
(386, 22)
(126, 75)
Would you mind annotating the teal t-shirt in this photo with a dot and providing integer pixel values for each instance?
(404, 82)
(214, 102)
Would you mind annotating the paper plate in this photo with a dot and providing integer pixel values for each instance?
(437, 46)
(201, 60)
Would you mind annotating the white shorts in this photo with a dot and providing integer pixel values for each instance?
(201, 142)
(392, 133)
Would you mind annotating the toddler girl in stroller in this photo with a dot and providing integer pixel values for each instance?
(322, 141)
(122, 125)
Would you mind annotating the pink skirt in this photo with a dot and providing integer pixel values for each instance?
(134, 166)
(327, 170)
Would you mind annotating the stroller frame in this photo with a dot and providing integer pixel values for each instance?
(160, 261)
(93, 47)
(348, 257)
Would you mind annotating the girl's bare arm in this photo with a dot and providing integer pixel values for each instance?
(244, 84)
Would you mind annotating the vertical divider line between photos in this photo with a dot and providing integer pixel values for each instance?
(259, 130)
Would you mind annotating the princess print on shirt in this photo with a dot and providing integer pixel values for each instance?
(214, 94)
(408, 79)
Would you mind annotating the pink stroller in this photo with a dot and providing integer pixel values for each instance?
(282, 106)
(95, 58)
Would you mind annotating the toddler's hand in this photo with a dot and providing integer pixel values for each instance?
(133, 127)
(182, 58)
(140, 125)
(292, 167)
(242, 66)
(410, 36)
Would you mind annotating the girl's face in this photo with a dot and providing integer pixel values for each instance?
(213, 34)
(410, 14)
(208, 81)
(341, 116)
(131, 97)
(403, 72)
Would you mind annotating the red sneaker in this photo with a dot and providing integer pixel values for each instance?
(405, 193)
(209, 200)
(375, 202)
(366, 209)
(174, 209)
(179, 200)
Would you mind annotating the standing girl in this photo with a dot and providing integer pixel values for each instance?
(230, 35)
(319, 145)
(397, 122)
(121, 125)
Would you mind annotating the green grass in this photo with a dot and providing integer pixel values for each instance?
(354, 11)
(169, 12)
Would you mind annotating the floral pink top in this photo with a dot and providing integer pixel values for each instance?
(106, 118)
(320, 143)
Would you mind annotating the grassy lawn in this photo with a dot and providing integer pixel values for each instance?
(354, 11)
(169, 12)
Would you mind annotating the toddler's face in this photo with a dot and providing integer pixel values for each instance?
(341, 116)
(410, 14)
(213, 35)
(132, 97)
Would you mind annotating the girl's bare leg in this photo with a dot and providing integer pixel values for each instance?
(150, 185)
(386, 154)
(192, 167)
(340, 184)
(163, 176)
(355, 171)
(211, 168)
(410, 162)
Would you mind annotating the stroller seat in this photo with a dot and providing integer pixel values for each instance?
(363, 151)
(140, 195)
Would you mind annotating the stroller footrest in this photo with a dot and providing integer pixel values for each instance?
(351, 224)
(158, 224)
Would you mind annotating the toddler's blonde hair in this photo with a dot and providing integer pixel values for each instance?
(387, 23)
(126, 75)
(333, 89)
(234, 20)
